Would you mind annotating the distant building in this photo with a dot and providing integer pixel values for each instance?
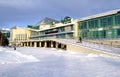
(3, 40)
(5, 32)
(18, 34)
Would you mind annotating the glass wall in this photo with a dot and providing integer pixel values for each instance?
(101, 27)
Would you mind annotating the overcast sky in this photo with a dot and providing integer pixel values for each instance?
(29, 12)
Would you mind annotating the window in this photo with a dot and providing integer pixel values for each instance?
(117, 19)
(95, 34)
(103, 22)
(110, 21)
(96, 23)
(71, 27)
(91, 24)
(61, 29)
(103, 34)
(118, 32)
(84, 25)
(84, 34)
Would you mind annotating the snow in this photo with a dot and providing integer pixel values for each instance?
(7, 56)
(50, 62)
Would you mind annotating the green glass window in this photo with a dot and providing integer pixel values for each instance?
(118, 32)
(110, 21)
(117, 19)
(84, 25)
(96, 23)
(91, 24)
(103, 22)
(103, 33)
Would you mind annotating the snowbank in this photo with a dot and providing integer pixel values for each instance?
(7, 56)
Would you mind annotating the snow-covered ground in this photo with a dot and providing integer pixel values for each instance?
(49, 62)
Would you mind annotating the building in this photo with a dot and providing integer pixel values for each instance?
(18, 35)
(6, 33)
(3, 40)
(45, 30)
(101, 26)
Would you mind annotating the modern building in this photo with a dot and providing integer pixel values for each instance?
(100, 26)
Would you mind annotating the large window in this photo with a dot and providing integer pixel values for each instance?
(117, 19)
(61, 29)
(106, 21)
(96, 24)
(93, 23)
(103, 34)
(103, 22)
(118, 32)
(95, 34)
(84, 34)
(110, 21)
(84, 25)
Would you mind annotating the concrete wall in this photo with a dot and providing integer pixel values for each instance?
(81, 49)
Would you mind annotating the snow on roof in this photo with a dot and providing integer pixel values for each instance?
(98, 15)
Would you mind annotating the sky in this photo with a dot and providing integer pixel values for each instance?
(29, 12)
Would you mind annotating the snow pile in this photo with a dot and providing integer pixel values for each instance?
(7, 56)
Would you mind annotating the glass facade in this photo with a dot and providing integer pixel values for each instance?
(101, 27)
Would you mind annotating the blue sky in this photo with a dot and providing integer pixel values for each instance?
(29, 12)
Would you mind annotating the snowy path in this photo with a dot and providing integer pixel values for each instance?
(45, 62)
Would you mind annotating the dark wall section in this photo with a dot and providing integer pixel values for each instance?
(3, 40)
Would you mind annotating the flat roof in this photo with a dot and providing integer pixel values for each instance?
(99, 15)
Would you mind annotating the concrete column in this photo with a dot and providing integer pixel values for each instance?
(27, 44)
(45, 44)
(51, 44)
(57, 44)
(30, 44)
(21, 44)
(35, 44)
(39, 44)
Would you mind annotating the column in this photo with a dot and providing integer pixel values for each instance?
(45, 44)
(51, 44)
(39, 44)
(56, 44)
(30, 44)
(35, 44)
(27, 44)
